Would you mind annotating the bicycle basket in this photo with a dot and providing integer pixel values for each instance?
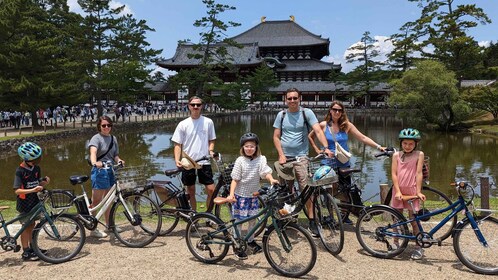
(61, 198)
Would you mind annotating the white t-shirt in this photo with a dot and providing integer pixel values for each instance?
(194, 136)
(248, 171)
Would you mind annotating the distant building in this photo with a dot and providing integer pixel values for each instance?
(294, 54)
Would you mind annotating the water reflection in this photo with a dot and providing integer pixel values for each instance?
(453, 156)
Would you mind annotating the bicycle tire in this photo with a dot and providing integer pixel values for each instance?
(328, 219)
(373, 238)
(435, 200)
(56, 211)
(199, 243)
(146, 225)
(297, 261)
(58, 250)
(167, 211)
(471, 252)
(224, 212)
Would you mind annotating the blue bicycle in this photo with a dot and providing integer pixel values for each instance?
(383, 231)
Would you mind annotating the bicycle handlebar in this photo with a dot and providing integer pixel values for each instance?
(300, 158)
(388, 152)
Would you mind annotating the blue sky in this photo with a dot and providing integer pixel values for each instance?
(343, 22)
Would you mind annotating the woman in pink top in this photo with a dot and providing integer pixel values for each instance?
(407, 178)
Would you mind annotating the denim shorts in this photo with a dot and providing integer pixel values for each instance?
(102, 179)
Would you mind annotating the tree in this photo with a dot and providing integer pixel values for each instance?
(446, 27)
(262, 79)
(363, 52)
(212, 51)
(405, 46)
(430, 90)
(39, 54)
(483, 98)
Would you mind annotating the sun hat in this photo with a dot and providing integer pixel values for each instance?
(188, 163)
(285, 171)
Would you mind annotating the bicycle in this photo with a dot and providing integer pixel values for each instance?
(131, 217)
(326, 213)
(435, 200)
(176, 204)
(351, 202)
(65, 241)
(288, 247)
(383, 232)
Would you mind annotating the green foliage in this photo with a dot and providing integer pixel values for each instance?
(445, 29)
(260, 81)
(430, 90)
(405, 46)
(40, 54)
(483, 98)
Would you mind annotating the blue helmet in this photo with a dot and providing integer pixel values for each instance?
(29, 151)
(325, 175)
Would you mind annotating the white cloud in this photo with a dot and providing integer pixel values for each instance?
(75, 7)
(485, 44)
(165, 72)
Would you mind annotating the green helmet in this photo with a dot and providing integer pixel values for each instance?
(409, 133)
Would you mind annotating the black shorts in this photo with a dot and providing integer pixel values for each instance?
(205, 175)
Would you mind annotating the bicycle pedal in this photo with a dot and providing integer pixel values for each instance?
(17, 248)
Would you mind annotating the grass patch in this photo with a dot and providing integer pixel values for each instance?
(10, 213)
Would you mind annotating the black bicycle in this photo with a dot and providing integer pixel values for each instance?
(288, 247)
(173, 199)
(326, 213)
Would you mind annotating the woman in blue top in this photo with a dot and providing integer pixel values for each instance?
(337, 126)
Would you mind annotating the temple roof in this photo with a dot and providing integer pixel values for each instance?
(307, 65)
(473, 83)
(280, 33)
(247, 55)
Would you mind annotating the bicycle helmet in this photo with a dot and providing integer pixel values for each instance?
(325, 175)
(409, 133)
(249, 137)
(29, 151)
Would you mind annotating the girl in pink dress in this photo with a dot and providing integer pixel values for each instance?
(407, 177)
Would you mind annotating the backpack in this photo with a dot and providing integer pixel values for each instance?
(304, 116)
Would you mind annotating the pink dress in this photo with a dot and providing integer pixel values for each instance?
(407, 179)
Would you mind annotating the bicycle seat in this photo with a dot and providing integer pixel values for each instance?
(78, 179)
(347, 171)
(171, 172)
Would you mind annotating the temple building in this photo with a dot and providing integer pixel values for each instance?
(295, 54)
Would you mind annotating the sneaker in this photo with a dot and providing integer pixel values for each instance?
(29, 255)
(254, 247)
(313, 229)
(117, 228)
(417, 254)
(98, 234)
(242, 255)
(347, 221)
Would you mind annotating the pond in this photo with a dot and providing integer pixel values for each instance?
(453, 156)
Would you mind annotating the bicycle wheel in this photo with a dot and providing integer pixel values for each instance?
(328, 218)
(435, 200)
(292, 255)
(471, 252)
(68, 243)
(167, 211)
(138, 227)
(58, 196)
(375, 232)
(203, 241)
(224, 212)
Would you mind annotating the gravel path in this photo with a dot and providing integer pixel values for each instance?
(168, 258)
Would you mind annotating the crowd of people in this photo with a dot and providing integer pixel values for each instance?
(295, 129)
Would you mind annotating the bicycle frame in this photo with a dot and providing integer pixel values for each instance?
(35, 212)
(457, 206)
(267, 212)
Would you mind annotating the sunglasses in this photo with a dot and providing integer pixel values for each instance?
(336, 110)
(106, 125)
(195, 104)
(292, 98)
